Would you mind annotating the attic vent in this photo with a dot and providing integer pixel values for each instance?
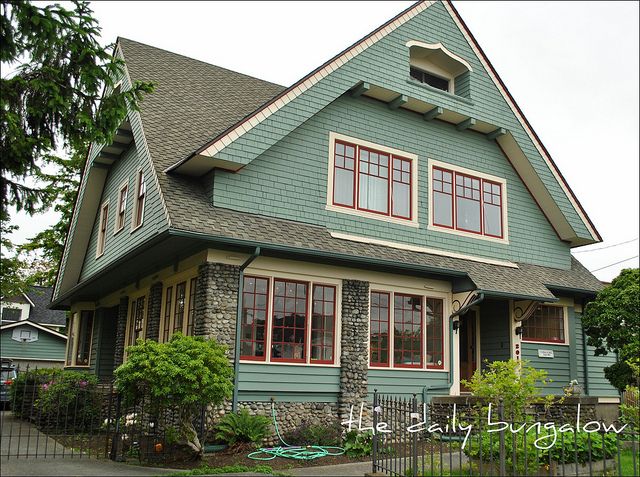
(432, 64)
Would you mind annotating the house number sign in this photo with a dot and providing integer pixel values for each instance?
(545, 353)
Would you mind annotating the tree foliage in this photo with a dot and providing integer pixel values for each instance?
(184, 373)
(612, 324)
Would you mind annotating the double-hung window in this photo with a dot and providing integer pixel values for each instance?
(372, 180)
(102, 229)
(122, 206)
(141, 192)
(547, 324)
(285, 320)
(405, 331)
(467, 203)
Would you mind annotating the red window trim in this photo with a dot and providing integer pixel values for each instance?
(442, 352)
(356, 180)
(411, 366)
(454, 197)
(311, 329)
(388, 321)
(392, 169)
(305, 330)
(266, 322)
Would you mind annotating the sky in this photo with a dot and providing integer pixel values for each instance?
(571, 66)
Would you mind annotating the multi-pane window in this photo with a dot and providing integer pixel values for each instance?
(323, 318)
(122, 206)
(136, 320)
(467, 203)
(141, 191)
(254, 318)
(80, 337)
(407, 331)
(102, 230)
(429, 78)
(546, 324)
(382, 185)
(179, 309)
(379, 329)
(302, 326)
(408, 328)
(289, 321)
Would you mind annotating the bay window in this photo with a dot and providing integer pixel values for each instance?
(372, 180)
(405, 331)
(467, 203)
(299, 326)
(547, 324)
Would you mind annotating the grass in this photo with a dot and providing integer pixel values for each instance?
(205, 469)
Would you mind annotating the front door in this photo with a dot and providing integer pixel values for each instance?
(468, 342)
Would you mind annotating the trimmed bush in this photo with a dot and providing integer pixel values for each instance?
(242, 428)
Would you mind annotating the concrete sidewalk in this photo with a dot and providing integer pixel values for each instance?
(74, 467)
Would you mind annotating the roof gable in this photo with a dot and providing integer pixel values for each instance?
(32, 325)
(380, 60)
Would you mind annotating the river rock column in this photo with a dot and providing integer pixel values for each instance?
(354, 359)
(216, 303)
(121, 329)
(153, 312)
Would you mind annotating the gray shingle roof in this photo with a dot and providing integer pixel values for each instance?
(39, 313)
(195, 101)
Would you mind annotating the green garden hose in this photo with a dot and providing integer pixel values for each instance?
(292, 452)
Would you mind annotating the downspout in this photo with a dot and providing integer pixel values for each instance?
(585, 360)
(426, 390)
(236, 353)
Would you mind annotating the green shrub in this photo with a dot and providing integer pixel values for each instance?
(25, 389)
(315, 434)
(630, 411)
(358, 444)
(242, 428)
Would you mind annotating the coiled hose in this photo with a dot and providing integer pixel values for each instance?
(292, 452)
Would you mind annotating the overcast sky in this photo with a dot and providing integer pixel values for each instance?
(571, 66)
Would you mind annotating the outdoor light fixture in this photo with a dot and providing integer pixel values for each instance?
(456, 325)
(519, 330)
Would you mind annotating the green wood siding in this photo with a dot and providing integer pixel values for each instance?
(404, 382)
(386, 64)
(598, 384)
(290, 383)
(299, 164)
(556, 367)
(47, 346)
(103, 342)
(494, 331)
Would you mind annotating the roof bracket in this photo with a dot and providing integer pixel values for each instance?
(360, 89)
(433, 113)
(495, 134)
(398, 101)
(466, 124)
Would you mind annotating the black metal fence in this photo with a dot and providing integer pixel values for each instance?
(49, 417)
(412, 438)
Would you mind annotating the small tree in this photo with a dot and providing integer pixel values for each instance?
(612, 324)
(184, 373)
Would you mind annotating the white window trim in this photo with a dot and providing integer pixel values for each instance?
(565, 324)
(117, 229)
(463, 170)
(135, 226)
(446, 312)
(73, 339)
(102, 236)
(271, 276)
(413, 222)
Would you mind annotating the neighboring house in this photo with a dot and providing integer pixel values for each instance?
(389, 222)
(33, 305)
(29, 344)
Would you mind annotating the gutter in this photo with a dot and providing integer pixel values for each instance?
(427, 390)
(236, 353)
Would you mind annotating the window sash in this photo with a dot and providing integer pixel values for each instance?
(379, 322)
(102, 231)
(377, 182)
(323, 313)
(404, 320)
(545, 325)
(140, 199)
(254, 303)
(85, 334)
(479, 200)
(122, 206)
(179, 308)
(291, 341)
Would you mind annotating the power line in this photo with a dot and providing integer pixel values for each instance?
(621, 261)
(608, 246)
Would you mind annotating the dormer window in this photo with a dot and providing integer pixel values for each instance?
(434, 65)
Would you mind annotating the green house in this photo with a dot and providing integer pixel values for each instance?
(27, 344)
(388, 222)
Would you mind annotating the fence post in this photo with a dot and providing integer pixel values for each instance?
(374, 450)
(414, 437)
(502, 450)
(116, 434)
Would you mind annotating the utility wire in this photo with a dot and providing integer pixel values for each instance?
(608, 246)
(621, 261)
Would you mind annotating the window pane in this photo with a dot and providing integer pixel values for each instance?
(546, 324)
(374, 193)
(254, 314)
(167, 315)
(407, 330)
(84, 338)
(191, 313)
(289, 324)
(468, 214)
(322, 324)
(178, 317)
(442, 209)
(434, 330)
(492, 220)
(401, 200)
(379, 329)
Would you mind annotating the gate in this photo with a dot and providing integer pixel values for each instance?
(413, 438)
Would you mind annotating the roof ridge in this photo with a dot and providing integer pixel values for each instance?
(118, 41)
